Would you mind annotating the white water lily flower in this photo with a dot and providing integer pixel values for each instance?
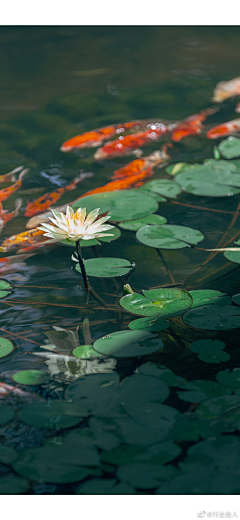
(75, 226)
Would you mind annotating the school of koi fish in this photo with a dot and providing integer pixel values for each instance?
(136, 135)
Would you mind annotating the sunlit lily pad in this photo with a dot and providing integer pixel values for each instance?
(234, 256)
(131, 205)
(54, 415)
(31, 377)
(13, 486)
(214, 317)
(230, 147)
(127, 343)
(106, 267)
(6, 347)
(6, 414)
(212, 179)
(164, 187)
(152, 325)
(158, 302)
(5, 287)
(115, 233)
(91, 202)
(168, 236)
(205, 297)
(134, 225)
(85, 352)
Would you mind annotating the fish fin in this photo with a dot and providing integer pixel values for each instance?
(18, 205)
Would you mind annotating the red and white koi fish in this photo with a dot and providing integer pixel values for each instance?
(227, 128)
(5, 216)
(47, 200)
(6, 192)
(125, 145)
(11, 175)
(36, 220)
(237, 108)
(191, 125)
(96, 137)
(6, 390)
(138, 165)
(226, 89)
(26, 239)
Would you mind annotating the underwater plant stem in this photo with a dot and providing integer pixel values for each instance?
(82, 267)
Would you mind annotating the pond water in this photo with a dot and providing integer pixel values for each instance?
(139, 409)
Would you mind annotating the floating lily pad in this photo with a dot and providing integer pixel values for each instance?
(158, 302)
(131, 204)
(168, 236)
(102, 438)
(115, 233)
(164, 187)
(6, 414)
(223, 412)
(146, 476)
(151, 325)
(104, 487)
(84, 243)
(106, 267)
(124, 454)
(236, 299)
(152, 194)
(174, 169)
(134, 225)
(7, 454)
(57, 465)
(54, 415)
(210, 351)
(204, 297)
(234, 256)
(199, 391)
(127, 343)
(31, 377)
(229, 378)
(165, 374)
(6, 347)
(199, 482)
(230, 147)
(91, 202)
(85, 352)
(4, 288)
(160, 453)
(222, 454)
(212, 179)
(13, 486)
(213, 317)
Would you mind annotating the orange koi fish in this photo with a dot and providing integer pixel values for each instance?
(11, 175)
(47, 200)
(120, 184)
(225, 129)
(6, 192)
(138, 165)
(124, 145)
(191, 125)
(36, 220)
(226, 89)
(237, 109)
(26, 239)
(5, 216)
(96, 137)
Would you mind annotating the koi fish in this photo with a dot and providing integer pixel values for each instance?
(96, 137)
(120, 184)
(27, 238)
(139, 165)
(47, 200)
(36, 220)
(11, 175)
(6, 192)
(124, 145)
(191, 125)
(5, 216)
(237, 109)
(6, 390)
(224, 129)
(226, 89)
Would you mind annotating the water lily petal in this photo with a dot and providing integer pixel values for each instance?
(92, 216)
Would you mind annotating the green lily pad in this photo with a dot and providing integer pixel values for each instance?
(127, 343)
(57, 465)
(104, 487)
(160, 453)
(31, 377)
(7, 454)
(6, 347)
(216, 153)
(106, 267)
(168, 236)
(56, 415)
(146, 476)
(199, 391)
(222, 454)
(84, 243)
(230, 147)
(210, 351)
(3, 286)
(122, 455)
(165, 374)
(233, 256)
(13, 486)
(199, 482)
(152, 194)
(151, 325)
(164, 187)
(229, 378)
(214, 178)
(205, 297)
(115, 233)
(158, 302)
(6, 414)
(134, 225)
(91, 202)
(86, 352)
(223, 412)
(236, 299)
(102, 438)
(214, 317)
(131, 204)
(174, 169)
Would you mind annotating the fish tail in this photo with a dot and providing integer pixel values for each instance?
(18, 205)
(23, 172)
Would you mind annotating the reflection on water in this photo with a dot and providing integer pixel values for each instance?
(112, 425)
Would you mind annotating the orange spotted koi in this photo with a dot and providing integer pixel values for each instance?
(43, 203)
(141, 164)
(96, 137)
(225, 129)
(124, 145)
(27, 239)
(226, 89)
(11, 175)
(191, 125)
(5, 193)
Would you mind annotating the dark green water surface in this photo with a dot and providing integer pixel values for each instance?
(167, 422)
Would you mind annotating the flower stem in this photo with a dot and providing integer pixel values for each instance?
(82, 267)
